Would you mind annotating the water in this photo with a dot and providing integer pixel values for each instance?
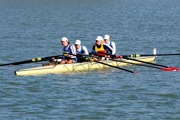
(31, 29)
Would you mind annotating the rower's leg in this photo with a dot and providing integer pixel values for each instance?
(63, 62)
(71, 61)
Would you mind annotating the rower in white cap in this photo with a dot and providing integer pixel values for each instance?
(69, 51)
(100, 48)
(80, 51)
(108, 41)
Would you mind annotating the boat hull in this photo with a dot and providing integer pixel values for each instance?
(85, 66)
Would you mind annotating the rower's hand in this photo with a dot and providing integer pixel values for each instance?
(90, 59)
(53, 59)
(91, 54)
(107, 56)
(79, 55)
(66, 54)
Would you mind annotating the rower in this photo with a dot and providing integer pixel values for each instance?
(108, 41)
(80, 51)
(101, 49)
(69, 51)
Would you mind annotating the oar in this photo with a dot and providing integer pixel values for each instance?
(114, 66)
(118, 56)
(135, 63)
(145, 55)
(162, 67)
(31, 61)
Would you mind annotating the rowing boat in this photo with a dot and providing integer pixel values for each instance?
(84, 66)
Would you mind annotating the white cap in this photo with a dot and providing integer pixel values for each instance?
(106, 37)
(99, 38)
(64, 39)
(78, 42)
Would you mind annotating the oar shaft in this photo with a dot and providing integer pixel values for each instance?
(146, 62)
(30, 61)
(145, 55)
(17, 63)
(161, 54)
(136, 64)
(114, 66)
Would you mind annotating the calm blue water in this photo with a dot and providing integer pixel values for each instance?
(34, 28)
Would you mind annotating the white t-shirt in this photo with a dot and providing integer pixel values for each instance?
(113, 45)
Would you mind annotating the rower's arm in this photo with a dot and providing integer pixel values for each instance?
(73, 51)
(93, 50)
(113, 47)
(108, 49)
(85, 50)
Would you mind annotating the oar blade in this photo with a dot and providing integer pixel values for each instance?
(170, 69)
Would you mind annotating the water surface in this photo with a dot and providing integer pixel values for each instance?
(32, 28)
